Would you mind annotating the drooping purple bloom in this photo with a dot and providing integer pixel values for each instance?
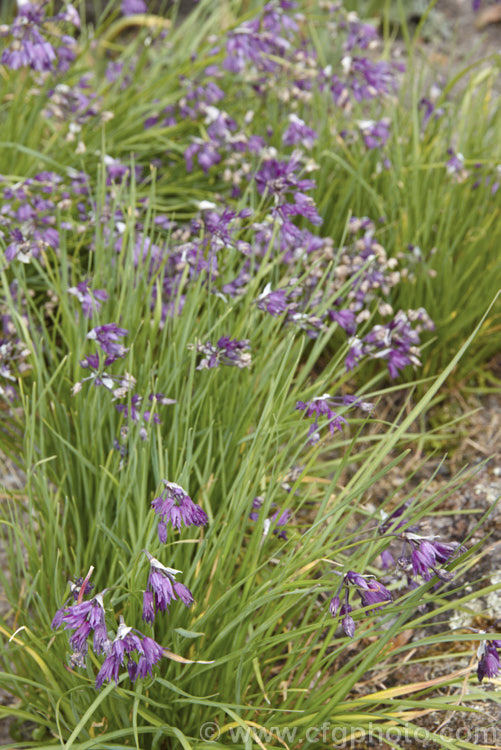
(360, 34)
(396, 342)
(371, 591)
(175, 506)
(372, 594)
(488, 665)
(347, 622)
(274, 302)
(163, 588)
(108, 337)
(226, 351)
(133, 7)
(321, 406)
(31, 47)
(298, 133)
(148, 606)
(126, 643)
(151, 654)
(85, 618)
(334, 605)
(346, 319)
(375, 133)
(426, 555)
(90, 299)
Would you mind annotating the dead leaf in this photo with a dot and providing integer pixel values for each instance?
(488, 16)
(182, 660)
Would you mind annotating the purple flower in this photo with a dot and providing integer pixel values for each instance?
(76, 587)
(334, 605)
(387, 560)
(278, 522)
(126, 643)
(151, 654)
(298, 133)
(360, 34)
(163, 587)
(488, 665)
(84, 618)
(226, 351)
(148, 606)
(346, 319)
(89, 299)
(396, 342)
(257, 504)
(174, 505)
(30, 48)
(132, 7)
(455, 165)
(320, 406)
(375, 134)
(275, 303)
(108, 337)
(348, 623)
(426, 555)
(371, 591)
(206, 154)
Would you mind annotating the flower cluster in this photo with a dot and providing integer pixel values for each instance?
(107, 337)
(225, 351)
(421, 555)
(424, 556)
(34, 39)
(162, 588)
(372, 594)
(87, 618)
(127, 642)
(90, 299)
(30, 208)
(176, 507)
(321, 406)
(488, 665)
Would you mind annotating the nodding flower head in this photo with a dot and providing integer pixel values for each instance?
(370, 590)
(372, 594)
(127, 642)
(323, 407)
(175, 506)
(427, 555)
(226, 351)
(162, 588)
(108, 337)
(85, 618)
(488, 665)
